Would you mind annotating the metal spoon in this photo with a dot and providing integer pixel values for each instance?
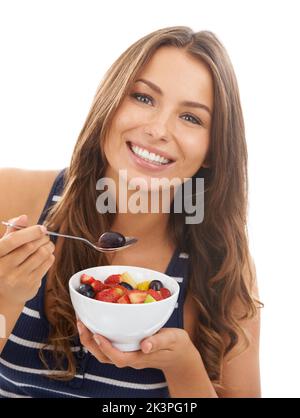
(128, 240)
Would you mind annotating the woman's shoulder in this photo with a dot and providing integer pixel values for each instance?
(24, 191)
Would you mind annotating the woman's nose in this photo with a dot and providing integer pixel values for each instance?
(159, 128)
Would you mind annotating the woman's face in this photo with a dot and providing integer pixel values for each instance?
(157, 131)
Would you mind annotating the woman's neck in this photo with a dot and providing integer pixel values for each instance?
(145, 227)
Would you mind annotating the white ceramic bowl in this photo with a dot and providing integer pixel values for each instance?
(125, 325)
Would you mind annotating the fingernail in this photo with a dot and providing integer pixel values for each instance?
(43, 229)
(12, 221)
(147, 347)
(97, 339)
(79, 327)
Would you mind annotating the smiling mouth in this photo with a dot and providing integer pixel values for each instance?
(150, 157)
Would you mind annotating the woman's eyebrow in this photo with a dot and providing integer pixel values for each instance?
(184, 103)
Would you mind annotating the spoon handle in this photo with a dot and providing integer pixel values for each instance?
(48, 232)
(129, 240)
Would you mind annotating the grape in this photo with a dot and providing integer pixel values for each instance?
(111, 240)
(155, 285)
(127, 285)
(86, 290)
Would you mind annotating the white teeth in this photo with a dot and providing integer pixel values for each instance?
(149, 156)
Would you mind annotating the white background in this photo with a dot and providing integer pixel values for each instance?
(53, 56)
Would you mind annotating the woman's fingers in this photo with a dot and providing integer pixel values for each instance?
(42, 269)
(40, 256)
(87, 340)
(19, 255)
(16, 239)
(25, 257)
(34, 279)
(161, 346)
(19, 220)
(119, 358)
(165, 339)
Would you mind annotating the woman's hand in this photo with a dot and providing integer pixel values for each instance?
(25, 257)
(167, 349)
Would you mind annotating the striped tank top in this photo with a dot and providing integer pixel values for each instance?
(22, 373)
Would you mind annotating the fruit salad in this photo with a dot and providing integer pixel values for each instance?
(122, 288)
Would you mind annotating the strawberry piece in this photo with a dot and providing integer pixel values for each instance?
(155, 294)
(108, 286)
(124, 299)
(137, 296)
(108, 295)
(97, 286)
(114, 286)
(165, 293)
(113, 279)
(86, 279)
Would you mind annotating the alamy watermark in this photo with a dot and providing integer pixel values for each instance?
(157, 197)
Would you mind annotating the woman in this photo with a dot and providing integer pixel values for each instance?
(174, 94)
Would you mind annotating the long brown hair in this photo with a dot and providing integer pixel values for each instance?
(218, 247)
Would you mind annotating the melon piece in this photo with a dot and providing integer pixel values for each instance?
(149, 299)
(126, 278)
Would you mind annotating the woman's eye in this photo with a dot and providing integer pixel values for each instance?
(142, 98)
(193, 120)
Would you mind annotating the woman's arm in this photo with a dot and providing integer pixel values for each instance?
(241, 375)
(9, 314)
(22, 192)
(11, 198)
(241, 372)
(189, 379)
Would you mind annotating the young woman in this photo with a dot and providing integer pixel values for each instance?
(172, 96)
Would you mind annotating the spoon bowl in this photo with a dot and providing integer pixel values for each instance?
(128, 240)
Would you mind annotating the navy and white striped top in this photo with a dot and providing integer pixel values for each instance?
(22, 373)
